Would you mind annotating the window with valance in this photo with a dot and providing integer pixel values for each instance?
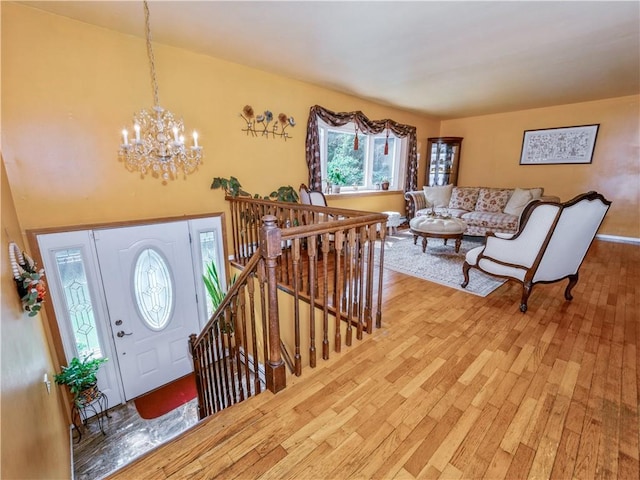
(396, 140)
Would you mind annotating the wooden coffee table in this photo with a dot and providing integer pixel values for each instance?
(437, 227)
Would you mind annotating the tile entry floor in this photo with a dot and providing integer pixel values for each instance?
(127, 436)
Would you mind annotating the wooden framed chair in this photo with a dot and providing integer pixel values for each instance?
(311, 197)
(549, 246)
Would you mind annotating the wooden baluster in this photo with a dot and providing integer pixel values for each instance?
(222, 362)
(325, 296)
(237, 336)
(254, 335)
(296, 306)
(214, 378)
(383, 233)
(359, 293)
(195, 355)
(227, 337)
(352, 251)
(205, 374)
(337, 287)
(371, 239)
(271, 248)
(311, 246)
(235, 230)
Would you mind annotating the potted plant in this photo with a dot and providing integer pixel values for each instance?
(80, 377)
(336, 178)
(385, 184)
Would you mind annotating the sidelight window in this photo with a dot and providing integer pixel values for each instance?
(78, 302)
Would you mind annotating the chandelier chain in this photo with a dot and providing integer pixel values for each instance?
(152, 63)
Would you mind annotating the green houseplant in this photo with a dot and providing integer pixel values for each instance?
(80, 377)
(336, 178)
(233, 188)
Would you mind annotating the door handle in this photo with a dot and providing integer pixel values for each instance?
(122, 334)
(118, 322)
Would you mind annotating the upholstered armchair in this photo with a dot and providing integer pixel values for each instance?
(549, 246)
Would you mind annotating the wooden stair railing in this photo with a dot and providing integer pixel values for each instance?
(326, 260)
(226, 358)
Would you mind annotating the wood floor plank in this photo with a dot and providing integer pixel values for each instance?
(521, 462)
(452, 386)
(565, 459)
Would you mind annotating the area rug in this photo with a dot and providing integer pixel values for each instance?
(440, 264)
(164, 399)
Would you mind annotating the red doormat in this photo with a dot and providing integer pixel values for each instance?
(164, 399)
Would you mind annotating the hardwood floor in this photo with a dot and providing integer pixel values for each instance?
(452, 386)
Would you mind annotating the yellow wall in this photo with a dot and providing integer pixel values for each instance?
(490, 155)
(35, 438)
(70, 88)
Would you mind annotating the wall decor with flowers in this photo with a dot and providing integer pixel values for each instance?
(29, 280)
(261, 125)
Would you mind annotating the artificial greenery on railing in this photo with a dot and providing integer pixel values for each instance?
(233, 188)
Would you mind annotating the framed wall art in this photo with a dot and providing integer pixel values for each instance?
(559, 145)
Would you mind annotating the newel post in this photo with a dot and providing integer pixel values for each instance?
(271, 249)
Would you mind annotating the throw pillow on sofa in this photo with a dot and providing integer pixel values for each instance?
(464, 198)
(518, 201)
(492, 200)
(520, 198)
(438, 196)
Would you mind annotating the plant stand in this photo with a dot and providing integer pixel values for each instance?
(92, 402)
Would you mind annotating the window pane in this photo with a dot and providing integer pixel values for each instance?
(345, 166)
(208, 249)
(383, 164)
(153, 289)
(78, 302)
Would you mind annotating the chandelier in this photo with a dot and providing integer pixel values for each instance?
(158, 147)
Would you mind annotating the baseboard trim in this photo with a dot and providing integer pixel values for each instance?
(618, 239)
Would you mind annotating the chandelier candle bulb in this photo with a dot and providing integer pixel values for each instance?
(175, 133)
(136, 127)
(124, 136)
(195, 139)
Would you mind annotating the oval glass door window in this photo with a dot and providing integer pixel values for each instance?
(153, 289)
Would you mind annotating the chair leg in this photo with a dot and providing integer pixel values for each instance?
(573, 279)
(526, 291)
(465, 272)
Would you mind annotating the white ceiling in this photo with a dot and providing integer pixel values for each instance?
(449, 59)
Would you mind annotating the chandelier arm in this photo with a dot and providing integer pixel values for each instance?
(152, 63)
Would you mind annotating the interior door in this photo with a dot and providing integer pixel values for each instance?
(150, 290)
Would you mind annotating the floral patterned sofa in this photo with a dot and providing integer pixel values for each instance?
(484, 209)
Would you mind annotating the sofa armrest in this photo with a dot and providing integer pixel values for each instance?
(417, 201)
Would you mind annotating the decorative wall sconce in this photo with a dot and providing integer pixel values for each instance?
(260, 125)
(29, 280)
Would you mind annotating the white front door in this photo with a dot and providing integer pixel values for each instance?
(150, 291)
